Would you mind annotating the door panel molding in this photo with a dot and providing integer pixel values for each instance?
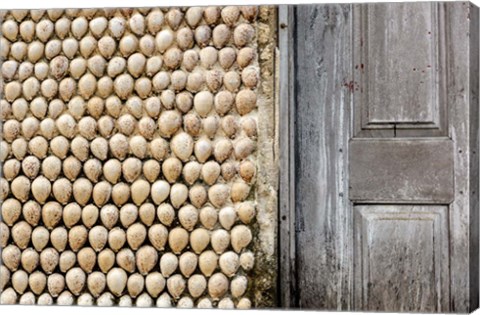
(401, 258)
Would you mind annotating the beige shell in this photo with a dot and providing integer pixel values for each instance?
(101, 193)
(155, 21)
(112, 170)
(125, 301)
(11, 168)
(128, 214)
(182, 146)
(221, 35)
(120, 193)
(191, 172)
(106, 300)
(178, 195)
(160, 191)
(207, 262)
(217, 286)
(71, 167)
(126, 259)
(20, 187)
(37, 282)
(140, 191)
(71, 214)
(55, 284)
(97, 237)
(174, 17)
(183, 99)
(210, 172)
(208, 56)
(77, 237)
(65, 298)
(178, 239)
(93, 170)
(176, 285)
(51, 214)
(75, 279)
(227, 217)
(154, 283)
(171, 169)
(169, 122)
(138, 146)
(45, 299)
(116, 238)
(4, 189)
(135, 285)
(144, 300)
(230, 15)
(165, 214)
(229, 126)
(131, 169)
(158, 235)
(86, 259)
(147, 213)
(192, 124)
(19, 149)
(197, 284)
(172, 58)
(49, 259)
(199, 240)
(229, 263)
(168, 264)
(116, 26)
(185, 302)
(8, 297)
(51, 167)
(241, 237)
(226, 303)
(20, 281)
(82, 190)
(11, 257)
(188, 263)
(151, 170)
(11, 211)
(4, 277)
(66, 261)
(159, 148)
(117, 281)
(21, 233)
(118, 146)
(222, 150)
(204, 303)
(197, 195)
(146, 259)
(239, 191)
(218, 194)
(40, 238)
(41, 188)
(208, 217)
(106, 260)
(136, 235)
(29, 260)
(58, 238)
(220, 240)
(59, 147)
(89, 215)
(80, 148)
(247, 170)
(96, 283)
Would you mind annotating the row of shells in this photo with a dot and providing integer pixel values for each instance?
(128, 142)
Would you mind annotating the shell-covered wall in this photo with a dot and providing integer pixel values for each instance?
(132, 157)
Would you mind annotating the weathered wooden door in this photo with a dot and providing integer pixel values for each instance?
(380, 161)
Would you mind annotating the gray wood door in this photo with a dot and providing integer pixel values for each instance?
(380, 163)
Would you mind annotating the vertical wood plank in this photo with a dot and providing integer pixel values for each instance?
(287, 163)
(323, 64)
(462, 71)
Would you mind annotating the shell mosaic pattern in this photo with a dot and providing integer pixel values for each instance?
(128, 153)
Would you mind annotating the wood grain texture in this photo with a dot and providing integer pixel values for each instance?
(401, 258)
(399, 72)
(287, 277)
(326, 54)
(462, 72)
(322, 102)
(401, 171)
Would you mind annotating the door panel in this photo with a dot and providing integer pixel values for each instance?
(401, 260)
(401, 171)
(385, 196)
